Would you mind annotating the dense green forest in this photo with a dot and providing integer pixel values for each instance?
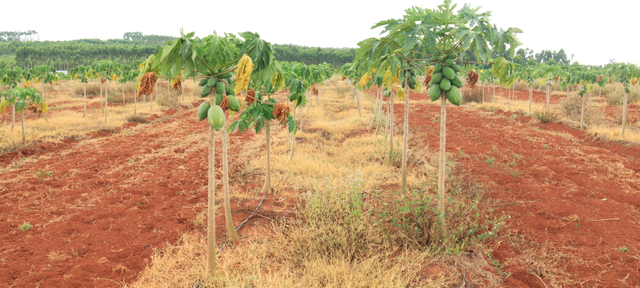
(314, 55)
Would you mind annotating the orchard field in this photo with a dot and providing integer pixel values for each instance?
(423, 163)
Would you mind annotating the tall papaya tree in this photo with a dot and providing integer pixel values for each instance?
(215, 58)
(11, 78)
(439, 36)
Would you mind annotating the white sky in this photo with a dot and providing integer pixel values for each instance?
(594, 31)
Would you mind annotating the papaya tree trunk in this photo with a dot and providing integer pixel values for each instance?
(582, 114)
(293, 139)
(101, 107)
(405, 137)
(530, 97)
(267, 181)
(211, 208)
(442, 157)
(84, 112)
(24, 138)
(624, 111)
(379, 112)
(391, 126)
(375, 110)
(510, 92)
(231, 229)
(359, 106)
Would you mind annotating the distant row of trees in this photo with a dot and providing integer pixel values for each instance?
(8, 36)
(314, 55)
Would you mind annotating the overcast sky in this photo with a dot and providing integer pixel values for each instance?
(594, 31)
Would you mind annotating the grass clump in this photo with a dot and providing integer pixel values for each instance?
(572, 107)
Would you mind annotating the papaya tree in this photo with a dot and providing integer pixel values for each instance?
(215, 58)
(438, 36)
(10, 78)
(20, 98)
(297, 82)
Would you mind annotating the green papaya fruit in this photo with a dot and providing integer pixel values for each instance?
(441, 58)
(449, 63)
(204, 92)
(234, 104)
(413, 81)
(436, 78)
(438, 68)
(452, 56)
(402, 82)
(435, 92)
(455, 68)
(445, 84)
(203, 82)
(434, 58)
(203, 110)
(229, 90)
(386, 93)
(626, 89)
(225, 76)
(220, 87)
(216, 118)
(448, 73)
(211, 82)
(454, 96)
(456, 81)
(218, 99)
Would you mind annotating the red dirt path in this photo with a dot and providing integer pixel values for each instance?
(575, 175)
(112, 200)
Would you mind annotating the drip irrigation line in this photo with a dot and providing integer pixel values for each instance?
(245, 220)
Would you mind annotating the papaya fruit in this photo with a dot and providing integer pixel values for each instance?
(456, 81)
(445, 84)
(436, 78)
(386, 93)
(203, 110)
(413, 81)
(435, 92)
(204, 92)
(216, 118)
(455, 68)
(402, 81)
(449, 63)
(441, 58)
(438, 68)
(626, 89)
(448, 73)
(225, 76)
(234, 104)
(203, 82)
(211, 82)
(434, 58)
(229, 90)
(453, 56)
(454, 96)
(218, 99)
(220, 87)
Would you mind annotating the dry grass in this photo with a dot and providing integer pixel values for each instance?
(335, 238)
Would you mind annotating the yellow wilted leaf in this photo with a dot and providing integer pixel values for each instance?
(43, 107)
(36, 81)
(27, 84)
(114, 77)
(3, 106)
(401, 93)
(430, 70)
(388, 79)
(366, 78)
(418, 87)
(245, 68)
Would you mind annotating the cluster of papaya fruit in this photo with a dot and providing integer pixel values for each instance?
(445, 79)
(225, 99)
(413, 81)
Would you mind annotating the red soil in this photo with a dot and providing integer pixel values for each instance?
(99, 217)
(575, 175)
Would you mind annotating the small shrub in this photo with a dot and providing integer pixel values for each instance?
(25, 226)
(137, 119)
(342, 91)
(521, 86)
(92, 89)
(631, 118)
(475, 95)
(170, 99)
(553, 115)
(572, 107)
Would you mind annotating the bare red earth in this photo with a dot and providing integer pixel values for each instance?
(100, 216)
(559, 172)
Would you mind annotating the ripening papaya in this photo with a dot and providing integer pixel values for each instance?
(435, 92)
(234, 104)
(216, 118)
(203, 110)
(454, 96)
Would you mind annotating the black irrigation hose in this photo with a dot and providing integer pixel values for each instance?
(245, 220)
